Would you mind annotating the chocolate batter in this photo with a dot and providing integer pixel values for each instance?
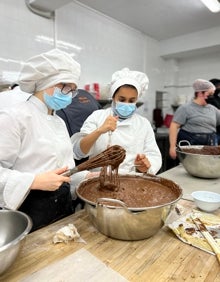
(109, 179)
(205, 150)
(134, 191)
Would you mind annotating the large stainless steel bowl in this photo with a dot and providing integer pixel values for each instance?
(203, 166)
(14, 226)
(124, 223)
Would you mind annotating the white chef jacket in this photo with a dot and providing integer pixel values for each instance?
(31, 142)
(134, 134)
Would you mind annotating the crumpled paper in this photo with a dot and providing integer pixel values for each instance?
(66, 234)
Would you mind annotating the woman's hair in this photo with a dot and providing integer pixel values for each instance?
(125, 86)
(13, 86)
(196, 93)
(215, 81)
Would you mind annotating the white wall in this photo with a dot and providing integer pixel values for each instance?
(196, 42)
(196, 57)
(106, 45)
(182, 73)
(101, 44)
(18, 31)
(154, 68)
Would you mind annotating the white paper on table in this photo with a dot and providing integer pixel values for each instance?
(80, 266)
(182, 227)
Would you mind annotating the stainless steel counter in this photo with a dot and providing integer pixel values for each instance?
(190, 183)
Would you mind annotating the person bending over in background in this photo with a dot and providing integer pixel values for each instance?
(76, 113)
(121, 125)
(196, 120)
(215, 101)
(36, 147)
(80, 108)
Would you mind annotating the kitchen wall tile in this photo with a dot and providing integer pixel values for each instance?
(106, 45)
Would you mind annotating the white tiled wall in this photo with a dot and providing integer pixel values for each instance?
(101, 45)
(18, 31)
(106, 45)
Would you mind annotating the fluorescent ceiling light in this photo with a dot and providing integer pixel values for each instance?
(212, 5)
(60, 43)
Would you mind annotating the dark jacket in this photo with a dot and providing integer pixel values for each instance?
(215, 101)
(76, 113)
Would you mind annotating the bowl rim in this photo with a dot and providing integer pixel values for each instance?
(179, 149)
(199, 155)
(132, 209)
(23, 234)
(196, 194)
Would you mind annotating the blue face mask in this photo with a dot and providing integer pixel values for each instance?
(58, 100)
(124, 110)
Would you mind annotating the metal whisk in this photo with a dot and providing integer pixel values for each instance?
(112, 156)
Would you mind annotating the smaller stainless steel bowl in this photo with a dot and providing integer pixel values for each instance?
(14, 226)
(203, 166)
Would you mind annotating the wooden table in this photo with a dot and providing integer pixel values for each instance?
(162, 257)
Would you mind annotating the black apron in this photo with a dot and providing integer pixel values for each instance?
(45, 207)
(197, 138)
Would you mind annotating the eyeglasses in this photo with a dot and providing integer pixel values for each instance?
(66, 89)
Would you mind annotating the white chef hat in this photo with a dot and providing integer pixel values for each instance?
(202, 85)
(125, 76)
(47, 69)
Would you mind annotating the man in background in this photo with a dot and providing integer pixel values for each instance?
(215, 101)
(77, 112)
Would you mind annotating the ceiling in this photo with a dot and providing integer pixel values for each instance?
(159, 19)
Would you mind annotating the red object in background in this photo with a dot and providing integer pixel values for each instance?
(87, 87)
(167, 120)
(93, 89)
(96, 90)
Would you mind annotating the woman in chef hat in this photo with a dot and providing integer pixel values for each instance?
(196, 120)
(36, 148)
(121, 125)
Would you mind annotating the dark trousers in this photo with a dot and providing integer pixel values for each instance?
(197, 138)
(45, 207)
(218, 136)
